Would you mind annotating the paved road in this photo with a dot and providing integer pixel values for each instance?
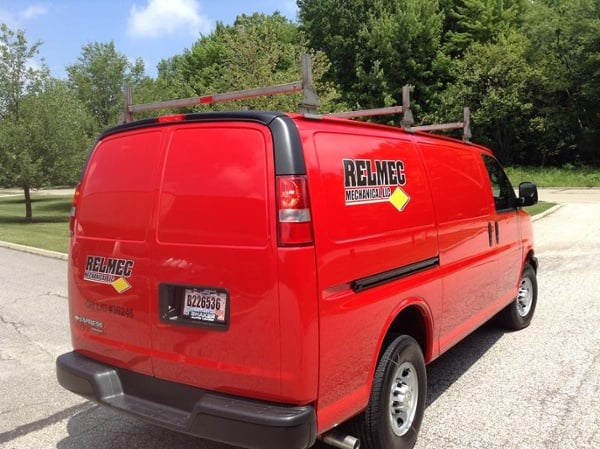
(537, 388)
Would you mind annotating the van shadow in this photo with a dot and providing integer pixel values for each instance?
(102, 428)
(443, 372)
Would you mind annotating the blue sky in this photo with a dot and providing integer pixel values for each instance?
(149, 29)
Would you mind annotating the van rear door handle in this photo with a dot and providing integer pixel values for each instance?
(490, 234)
(497, 233)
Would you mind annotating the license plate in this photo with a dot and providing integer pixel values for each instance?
(205, 305)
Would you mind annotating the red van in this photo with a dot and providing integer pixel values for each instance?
(266, 279)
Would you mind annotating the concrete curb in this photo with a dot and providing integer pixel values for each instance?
(547, 212)
(32, 250)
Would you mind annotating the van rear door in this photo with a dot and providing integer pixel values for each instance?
(215, 260)
(175, 266)
(110, 280)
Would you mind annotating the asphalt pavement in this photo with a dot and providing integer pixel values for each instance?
(538, 388)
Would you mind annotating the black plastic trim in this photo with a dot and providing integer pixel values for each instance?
(289, 158)
(377, 279)
(206, 414)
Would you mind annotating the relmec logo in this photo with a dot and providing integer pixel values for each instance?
(109, 271)
(369, 181)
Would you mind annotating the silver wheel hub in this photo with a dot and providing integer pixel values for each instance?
(525, 297)
(404, 395)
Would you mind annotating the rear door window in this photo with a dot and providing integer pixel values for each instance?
(215, 186)
(118, 192)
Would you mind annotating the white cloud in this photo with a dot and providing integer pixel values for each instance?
(16, 19)
(160, 18)
(32, 12)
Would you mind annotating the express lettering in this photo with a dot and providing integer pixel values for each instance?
(369, 173)
(116, 267)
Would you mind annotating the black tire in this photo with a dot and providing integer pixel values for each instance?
(400, 376)
(518, 314)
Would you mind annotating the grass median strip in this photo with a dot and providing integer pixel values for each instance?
(567, 176)
(540, 207)
(50, 227)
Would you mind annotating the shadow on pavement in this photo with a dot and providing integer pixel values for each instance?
(449, 367)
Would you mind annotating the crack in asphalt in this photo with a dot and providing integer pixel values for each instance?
(16, 325)
(52, 294)
(560, 405)
(43, 423)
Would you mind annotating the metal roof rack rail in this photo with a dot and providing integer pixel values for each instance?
(310, 102)
(309, 106)
(407, 117)
(465, 125)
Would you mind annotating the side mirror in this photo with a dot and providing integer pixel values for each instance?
(528, 194)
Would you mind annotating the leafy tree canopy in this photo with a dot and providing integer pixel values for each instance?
(375, 46)
(256, 51)
(43, 127)
(98, 78)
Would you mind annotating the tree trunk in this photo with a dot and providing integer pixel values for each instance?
(28, 211)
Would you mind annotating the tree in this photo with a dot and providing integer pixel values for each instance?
(43, 128)
(49, 142)
(256, 51)
(499, 84)
(567, 50)
(376, 46)
(98, 79)
(481, 21)
(17, 80)
(17, 75)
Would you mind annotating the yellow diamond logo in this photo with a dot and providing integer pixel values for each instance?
(399, 199)
(121, 285)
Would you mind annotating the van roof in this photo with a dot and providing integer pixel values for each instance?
(287, 145)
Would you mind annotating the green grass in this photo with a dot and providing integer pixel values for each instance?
(567, 176)
(540, 207)
(50, 227)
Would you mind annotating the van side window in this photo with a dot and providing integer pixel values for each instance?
(502, 190)
(456, 178)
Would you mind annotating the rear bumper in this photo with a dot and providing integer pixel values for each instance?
(205, 414)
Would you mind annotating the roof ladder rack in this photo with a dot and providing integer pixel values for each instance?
(465, 125)
(309, 106)
(407, 117)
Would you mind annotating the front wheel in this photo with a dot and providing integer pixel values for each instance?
(518, 314)
(395, 410)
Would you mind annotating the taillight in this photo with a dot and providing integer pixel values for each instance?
(171, 118)
(74, 209)
(295, 225)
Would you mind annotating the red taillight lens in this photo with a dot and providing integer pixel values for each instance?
(171, 118)
(295, 224)
(74, 209)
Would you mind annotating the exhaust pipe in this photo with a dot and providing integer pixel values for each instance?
(340, 440)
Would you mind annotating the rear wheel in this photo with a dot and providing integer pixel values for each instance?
(395, 411)
(518, 314)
